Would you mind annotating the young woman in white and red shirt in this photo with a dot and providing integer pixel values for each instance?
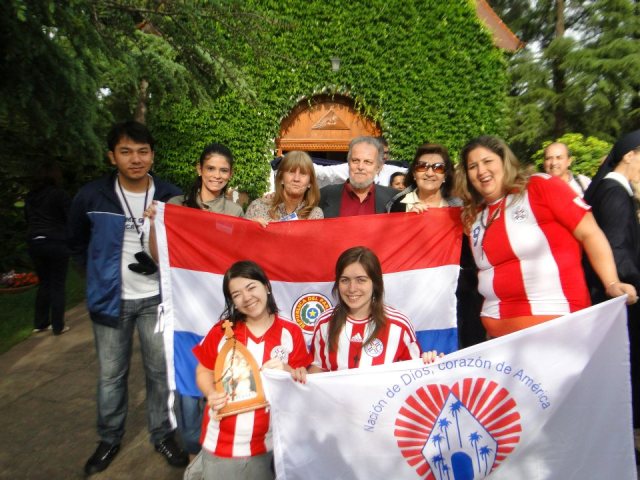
(361, 331)
(239, 446)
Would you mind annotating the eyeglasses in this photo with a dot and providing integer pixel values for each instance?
(424, 167)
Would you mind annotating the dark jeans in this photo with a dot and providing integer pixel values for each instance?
(51, 261)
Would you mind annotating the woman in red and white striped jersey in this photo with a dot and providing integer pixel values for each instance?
(239, 446)
(361, 331)
(527, 233)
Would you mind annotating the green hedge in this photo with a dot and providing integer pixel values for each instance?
(425, 70)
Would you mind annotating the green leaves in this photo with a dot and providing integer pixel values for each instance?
(587, 80)
(425, 70)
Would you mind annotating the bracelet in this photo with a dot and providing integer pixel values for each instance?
(613, 283)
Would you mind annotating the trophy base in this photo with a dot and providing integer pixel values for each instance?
(227, 411)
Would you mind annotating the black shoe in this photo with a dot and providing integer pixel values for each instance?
(176, 457)
(101, 458)
(64, 330)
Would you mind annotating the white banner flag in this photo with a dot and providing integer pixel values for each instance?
(549, 402)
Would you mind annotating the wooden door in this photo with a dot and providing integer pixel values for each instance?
(323, 124)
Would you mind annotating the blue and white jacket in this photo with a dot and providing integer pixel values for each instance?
(96, 237)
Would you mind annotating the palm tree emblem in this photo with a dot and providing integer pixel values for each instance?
(484, 415)
(474, 438)
(443, 424)
(455, 410)
(484, 453)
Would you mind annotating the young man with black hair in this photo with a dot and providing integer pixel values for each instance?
(109, 237)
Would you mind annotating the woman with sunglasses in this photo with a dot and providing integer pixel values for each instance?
(430, 185)
(429, 182)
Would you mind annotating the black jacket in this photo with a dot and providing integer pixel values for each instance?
(615, 212)
(331, 196)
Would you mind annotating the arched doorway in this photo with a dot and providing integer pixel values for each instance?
(323, 126)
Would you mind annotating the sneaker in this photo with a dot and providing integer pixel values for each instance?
(64, 330)
(176, 457)
(41, 330)
(101, 458)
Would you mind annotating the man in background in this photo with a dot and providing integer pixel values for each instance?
(557, 161)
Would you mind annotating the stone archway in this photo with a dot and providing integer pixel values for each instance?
(323, 126)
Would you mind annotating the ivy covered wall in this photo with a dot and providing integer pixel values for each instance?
(426, 70)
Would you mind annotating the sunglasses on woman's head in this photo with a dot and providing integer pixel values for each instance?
(424, 167)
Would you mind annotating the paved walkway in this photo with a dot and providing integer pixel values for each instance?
(47, 400)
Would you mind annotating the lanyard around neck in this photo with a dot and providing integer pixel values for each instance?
(146, 197)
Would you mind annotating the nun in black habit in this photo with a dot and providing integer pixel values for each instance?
(615, 208)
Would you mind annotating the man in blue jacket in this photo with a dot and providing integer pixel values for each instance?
(109, 237)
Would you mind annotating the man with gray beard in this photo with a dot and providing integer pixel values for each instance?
(359, 195)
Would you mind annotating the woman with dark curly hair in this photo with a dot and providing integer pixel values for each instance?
(208, 192)
(430, 181)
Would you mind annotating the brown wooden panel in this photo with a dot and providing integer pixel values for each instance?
(323, 123)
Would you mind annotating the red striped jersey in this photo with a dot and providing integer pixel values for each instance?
(396, 342)
(248, 434)
(528, 259)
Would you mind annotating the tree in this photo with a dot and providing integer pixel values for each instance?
(578, 73)
(455, 408)
(485, 451)
(437, 440)
(438, 460)
(88, 62)
(446, 86)
(608, 68)
(69, 69)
